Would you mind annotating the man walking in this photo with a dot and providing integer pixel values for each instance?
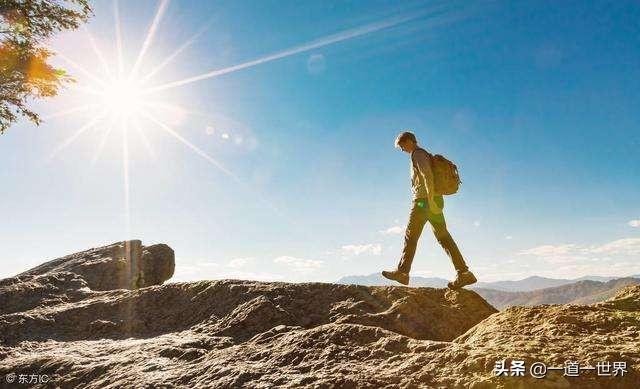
(427, 206)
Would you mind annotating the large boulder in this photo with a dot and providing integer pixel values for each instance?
(122, 265)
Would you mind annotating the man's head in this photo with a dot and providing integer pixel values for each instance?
(406, 141)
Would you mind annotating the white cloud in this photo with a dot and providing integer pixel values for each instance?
(573, 253)
(239, 262)
(551, 251)
(568, 267)
(185, 273)
(205, 270)
(476, 223)
(634, 223)
(358, 249)
(299, 264)
(394, 230)
(628, 246)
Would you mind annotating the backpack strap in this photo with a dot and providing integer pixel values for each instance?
(429, 158)
(420, 148)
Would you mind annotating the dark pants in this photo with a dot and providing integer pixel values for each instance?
(419, 215)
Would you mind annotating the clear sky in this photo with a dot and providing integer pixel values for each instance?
(263, 147)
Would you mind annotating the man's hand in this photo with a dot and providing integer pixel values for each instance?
(433, 207)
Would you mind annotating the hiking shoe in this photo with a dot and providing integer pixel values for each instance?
(463, 279)
(397, 275)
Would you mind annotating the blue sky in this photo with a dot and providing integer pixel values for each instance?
(537, 103)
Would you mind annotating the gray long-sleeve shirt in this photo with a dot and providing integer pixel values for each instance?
(420, 167)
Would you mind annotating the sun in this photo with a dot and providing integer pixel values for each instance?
(122, 98)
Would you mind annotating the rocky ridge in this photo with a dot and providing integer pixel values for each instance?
(65, 319)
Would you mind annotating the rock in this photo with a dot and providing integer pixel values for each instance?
(553, 334)
(24, 292)
(123, 265)
(233, 333)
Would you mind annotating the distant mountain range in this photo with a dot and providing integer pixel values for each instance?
(527, 284)
(378, 279)
(533, 290)
(581, 292)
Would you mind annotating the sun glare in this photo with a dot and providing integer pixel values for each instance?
(121, 98)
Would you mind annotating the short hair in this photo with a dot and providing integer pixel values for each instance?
(406, 135)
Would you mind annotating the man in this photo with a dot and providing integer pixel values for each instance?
(427, 206)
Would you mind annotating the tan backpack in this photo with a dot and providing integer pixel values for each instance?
(445, 174)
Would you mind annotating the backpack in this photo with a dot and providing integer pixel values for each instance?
(445, 175)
